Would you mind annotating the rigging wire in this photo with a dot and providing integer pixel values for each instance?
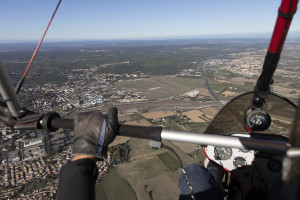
(20, 83)
(182, 169)
(174, 152)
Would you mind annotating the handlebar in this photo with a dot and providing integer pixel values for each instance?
(52, 121)
(152, 133)
(62, 123)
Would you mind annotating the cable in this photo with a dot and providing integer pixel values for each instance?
(173, 151)
(20, 83)
(182, 169)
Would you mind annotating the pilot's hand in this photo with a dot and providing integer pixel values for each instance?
(94, 132)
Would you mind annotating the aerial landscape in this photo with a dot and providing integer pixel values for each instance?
(171, 78)
(148, 84)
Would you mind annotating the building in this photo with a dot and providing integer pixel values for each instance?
(33, 148)
(193, 93)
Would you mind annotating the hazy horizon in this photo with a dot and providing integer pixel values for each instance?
(133, 19)
(291, 35)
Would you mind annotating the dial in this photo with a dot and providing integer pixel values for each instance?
(223, 153)
(239, 162)
(259, 120)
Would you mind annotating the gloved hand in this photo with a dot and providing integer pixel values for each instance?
(94, 132)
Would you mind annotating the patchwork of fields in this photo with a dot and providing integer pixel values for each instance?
(156, 172)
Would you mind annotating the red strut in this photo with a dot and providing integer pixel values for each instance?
(36, 50)
(286, 12)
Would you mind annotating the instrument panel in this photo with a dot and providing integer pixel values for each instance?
(254, 169)
(230, 158)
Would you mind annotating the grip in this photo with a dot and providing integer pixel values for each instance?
(62, 123)
(152, 133)
(143, 132)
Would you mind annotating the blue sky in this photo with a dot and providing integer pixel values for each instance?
(136, 19)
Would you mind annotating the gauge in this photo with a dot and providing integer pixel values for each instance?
(258, 120)
(274, 165)
(223, 153)
(239, 162)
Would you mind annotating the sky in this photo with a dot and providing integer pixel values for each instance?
(26, 20)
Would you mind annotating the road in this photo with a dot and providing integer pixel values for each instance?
(218, 98)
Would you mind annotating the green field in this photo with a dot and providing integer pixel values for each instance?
(142, 169)
(115, 187)
(198, 127)
(169, 161)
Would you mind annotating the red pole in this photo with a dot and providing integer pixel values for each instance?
(284, 19)
(36, 50)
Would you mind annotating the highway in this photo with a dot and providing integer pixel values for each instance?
(218, 98)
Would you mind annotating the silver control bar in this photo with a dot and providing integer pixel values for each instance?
(241, 142)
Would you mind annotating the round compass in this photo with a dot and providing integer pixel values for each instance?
(258, 120)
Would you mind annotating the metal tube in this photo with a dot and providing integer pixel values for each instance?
(226, 141)
(293, 152)
(8, 94)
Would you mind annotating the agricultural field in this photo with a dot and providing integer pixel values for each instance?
(158, 114)
(115, 187)
(119, 140)
(210, 111)
(204, 92)
(195, 116)
(156, 169)
(161, 187)
(229, 94)
(141, 122)
(286, 91)
(169, 161)
(236, 85)
(125, 118)
(142, 169)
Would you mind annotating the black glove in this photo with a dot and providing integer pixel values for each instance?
(94, 132)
